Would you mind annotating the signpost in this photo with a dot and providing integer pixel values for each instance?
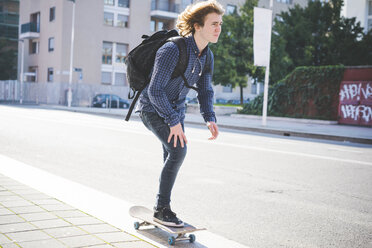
(261, 47)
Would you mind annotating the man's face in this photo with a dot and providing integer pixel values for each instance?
(212, 27)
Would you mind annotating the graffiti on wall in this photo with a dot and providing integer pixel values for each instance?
(356, 103)
(356, 91)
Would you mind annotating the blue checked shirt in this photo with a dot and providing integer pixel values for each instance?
(167, 96)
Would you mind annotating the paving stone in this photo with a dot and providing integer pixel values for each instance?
(28, 191)
(116, 237)
(19, 203)
(99, 228)
(36, 235)
(83, 220)
(16, 186)
(70, 213)
(10, 219)
(5, 192)
(27, 209)
(4, 239)
(5, 198)
(57, 207)
(133, 244)
(9, 245)
(82, 241)
(50, 243)
(62, 232)
(43, 202)
(19, 227)
(38, 196)
(39, 216)
(4, 211)
(50, 223)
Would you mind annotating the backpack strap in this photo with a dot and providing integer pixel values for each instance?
(182, 61)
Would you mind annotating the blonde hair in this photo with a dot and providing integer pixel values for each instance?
(195, 13)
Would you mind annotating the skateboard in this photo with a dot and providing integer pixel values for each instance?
(146, 216)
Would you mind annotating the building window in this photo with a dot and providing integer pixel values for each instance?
(109, 2)
(152, 26)
(34, 46)
(123, 3)
(121, 52)
(52, 14)
(108, 19)
(285, 1)
(106, 77)
(107, 53)
(122, 21)
(34, 77)
(230, 9)
(51, 45)
(186, 3)
(227, 89)
(50, 74)
(120, 79)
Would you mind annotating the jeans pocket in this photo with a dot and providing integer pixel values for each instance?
(154, 122)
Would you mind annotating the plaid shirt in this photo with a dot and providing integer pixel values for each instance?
(167, 96)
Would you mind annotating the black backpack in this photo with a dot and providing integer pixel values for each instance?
(140, 62)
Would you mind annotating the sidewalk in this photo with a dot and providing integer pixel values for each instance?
(29, 218)
(317, 129)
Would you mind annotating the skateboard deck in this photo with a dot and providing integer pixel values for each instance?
(146, 216)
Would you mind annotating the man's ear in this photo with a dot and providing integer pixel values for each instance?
(197, 27)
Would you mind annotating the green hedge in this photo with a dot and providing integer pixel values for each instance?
(307, 92)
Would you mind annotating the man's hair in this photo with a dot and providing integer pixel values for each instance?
(195, 13)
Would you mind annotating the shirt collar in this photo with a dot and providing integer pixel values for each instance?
(194, 47)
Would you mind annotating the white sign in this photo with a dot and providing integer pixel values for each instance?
(262, 36)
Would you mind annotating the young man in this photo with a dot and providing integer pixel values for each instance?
(162, 103)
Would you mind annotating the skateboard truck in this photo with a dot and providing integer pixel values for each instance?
(171, 239)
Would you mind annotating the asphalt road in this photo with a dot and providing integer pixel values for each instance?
(259, 190)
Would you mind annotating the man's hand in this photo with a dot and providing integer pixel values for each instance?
(212, 126)
(178, 133)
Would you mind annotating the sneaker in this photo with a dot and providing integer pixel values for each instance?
(166, 217)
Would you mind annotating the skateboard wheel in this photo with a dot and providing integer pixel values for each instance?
(171, 240)
(136, 225)
(192, 238)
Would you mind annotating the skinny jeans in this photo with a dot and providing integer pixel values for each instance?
(172, 156)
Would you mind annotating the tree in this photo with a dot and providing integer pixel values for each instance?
(317, 35)
(8, 61)
(233, 53)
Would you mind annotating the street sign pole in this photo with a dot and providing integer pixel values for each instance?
(69, 93)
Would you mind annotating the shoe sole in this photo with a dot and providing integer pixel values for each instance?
(171, 224)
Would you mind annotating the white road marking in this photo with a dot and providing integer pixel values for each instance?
(99, 204)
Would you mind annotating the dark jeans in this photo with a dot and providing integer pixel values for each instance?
(173, 156)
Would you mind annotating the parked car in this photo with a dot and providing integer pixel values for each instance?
(191, 100)
(109, 101)
(235, 102)
(221, 101)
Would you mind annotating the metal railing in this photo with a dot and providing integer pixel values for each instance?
(30, 27)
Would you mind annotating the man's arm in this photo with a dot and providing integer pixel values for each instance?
(205, 97)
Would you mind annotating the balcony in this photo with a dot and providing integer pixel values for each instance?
(30, 30)
(164, 9)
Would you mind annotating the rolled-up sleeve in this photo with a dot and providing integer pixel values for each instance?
(205, 94)
(165, 62)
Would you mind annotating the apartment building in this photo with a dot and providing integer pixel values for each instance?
(9, 16)
(361, 10)
(104, 32)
